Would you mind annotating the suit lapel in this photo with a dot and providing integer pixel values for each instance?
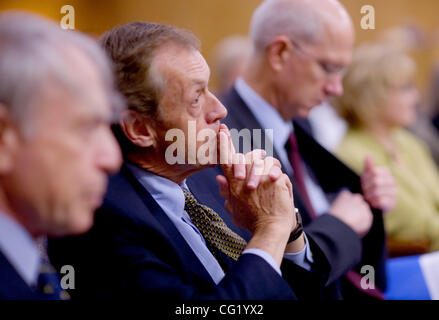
(240, 116)
(331, 173)
(142, 204)
(12, 285)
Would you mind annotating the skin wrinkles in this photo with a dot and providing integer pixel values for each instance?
(186, 98)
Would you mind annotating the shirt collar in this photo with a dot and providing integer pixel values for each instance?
(266, 114)
(167, 193)
(20, 249)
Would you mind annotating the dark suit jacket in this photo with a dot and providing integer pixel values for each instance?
(342, 247)
(307, 285)
(436, 121)
(12, 286)
(134, 251)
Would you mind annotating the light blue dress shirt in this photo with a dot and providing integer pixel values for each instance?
(170, 198)
(21, 250)
(269, 118)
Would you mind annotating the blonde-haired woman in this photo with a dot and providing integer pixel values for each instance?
(378, 103)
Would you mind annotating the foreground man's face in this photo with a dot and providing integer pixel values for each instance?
(61, 171)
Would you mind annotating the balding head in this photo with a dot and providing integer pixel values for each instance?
(301, 20)
(300, 51)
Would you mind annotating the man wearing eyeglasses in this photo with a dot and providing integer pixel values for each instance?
(300, 52)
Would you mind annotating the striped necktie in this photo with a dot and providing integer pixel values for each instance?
(299, 173)
(213, 229)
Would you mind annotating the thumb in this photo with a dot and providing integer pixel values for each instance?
(369, 163)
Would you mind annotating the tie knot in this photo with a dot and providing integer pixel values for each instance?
(187, 193)
(189, 199)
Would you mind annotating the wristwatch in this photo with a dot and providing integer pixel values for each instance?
(298, 230)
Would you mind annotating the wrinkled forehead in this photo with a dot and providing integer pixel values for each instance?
(79, 89)
(336, 45)
(184, 64)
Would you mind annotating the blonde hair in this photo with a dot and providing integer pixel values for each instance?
(374, 71)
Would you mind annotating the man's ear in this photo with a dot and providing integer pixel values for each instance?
(279, 51)
(135, 127)
(9, 140)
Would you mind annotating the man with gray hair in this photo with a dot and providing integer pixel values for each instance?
(301, 49)
(154, 237)
(56, 146)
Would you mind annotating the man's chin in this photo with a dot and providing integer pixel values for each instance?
(304, 112)
(84, 225)
(72, 228)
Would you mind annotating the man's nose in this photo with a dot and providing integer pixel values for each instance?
(217, 111)
(110, 156)
(334, 86)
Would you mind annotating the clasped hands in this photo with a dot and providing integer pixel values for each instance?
(257, 194)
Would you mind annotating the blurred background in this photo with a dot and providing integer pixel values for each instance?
(413, 22)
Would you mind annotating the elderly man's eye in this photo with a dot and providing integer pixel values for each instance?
(332, 68)
(197, 99)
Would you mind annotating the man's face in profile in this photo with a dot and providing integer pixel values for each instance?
(187, 104)
(313, 73)
(60, 170)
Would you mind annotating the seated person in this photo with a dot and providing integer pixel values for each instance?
(379, 103)
(56, 146)
(297, 61)
(152, 238)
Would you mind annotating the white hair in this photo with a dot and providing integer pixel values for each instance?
(34, 50)
(294, 19)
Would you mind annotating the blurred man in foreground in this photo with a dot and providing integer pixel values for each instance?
(56, 146)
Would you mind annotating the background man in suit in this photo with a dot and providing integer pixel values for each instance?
(300, 51)
(56, 146)
(152, 235)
